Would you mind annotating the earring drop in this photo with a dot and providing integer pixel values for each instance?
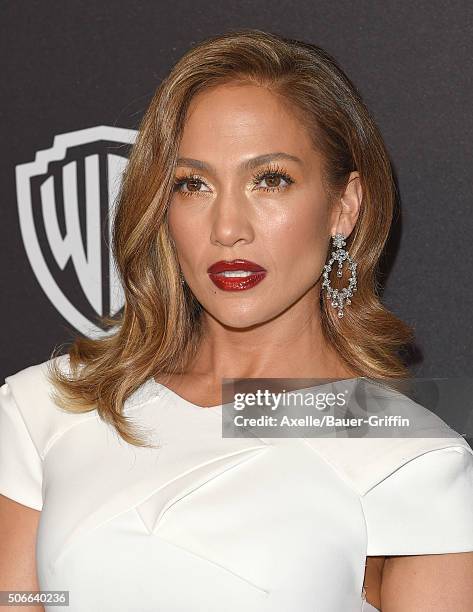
(338, 298)
(181, 277)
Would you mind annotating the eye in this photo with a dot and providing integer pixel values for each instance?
(192, 182)
(273, 177)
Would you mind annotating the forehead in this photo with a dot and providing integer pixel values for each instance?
(236, 119)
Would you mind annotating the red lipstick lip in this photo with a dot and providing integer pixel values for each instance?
(236, 264)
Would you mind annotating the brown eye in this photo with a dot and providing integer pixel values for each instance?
(190, 185)
(193, 185)
(273, 181)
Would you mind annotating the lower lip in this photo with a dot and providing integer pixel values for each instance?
(237, 283)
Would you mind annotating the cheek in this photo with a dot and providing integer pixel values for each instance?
(181, 229)
(298, 239)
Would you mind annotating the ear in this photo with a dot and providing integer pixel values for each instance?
(347, 208)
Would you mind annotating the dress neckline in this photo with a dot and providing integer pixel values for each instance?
(164, 389)
(161, 388)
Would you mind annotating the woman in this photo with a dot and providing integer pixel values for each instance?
(255, 161)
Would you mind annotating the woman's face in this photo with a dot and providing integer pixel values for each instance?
(249, 186)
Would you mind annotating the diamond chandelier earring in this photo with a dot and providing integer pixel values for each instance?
(181, 278)
(338, 298)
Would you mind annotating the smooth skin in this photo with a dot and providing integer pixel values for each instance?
(18, 529)
(273, 330)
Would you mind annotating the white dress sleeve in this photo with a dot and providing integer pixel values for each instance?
(423, 507)
(20, 462)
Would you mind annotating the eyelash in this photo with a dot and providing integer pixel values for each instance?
(272, 172)
(268, 172)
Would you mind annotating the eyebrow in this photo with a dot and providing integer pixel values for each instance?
(246, 165)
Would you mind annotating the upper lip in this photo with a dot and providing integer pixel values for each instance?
(235, 264)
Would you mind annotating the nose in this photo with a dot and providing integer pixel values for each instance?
(230, 219)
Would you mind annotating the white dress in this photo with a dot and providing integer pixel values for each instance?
(213, 524)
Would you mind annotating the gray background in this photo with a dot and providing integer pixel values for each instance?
(72, 65)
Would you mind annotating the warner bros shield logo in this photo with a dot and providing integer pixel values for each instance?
(66, 200)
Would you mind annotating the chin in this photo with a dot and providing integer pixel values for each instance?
(241, 319)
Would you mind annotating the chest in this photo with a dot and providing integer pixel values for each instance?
(203, 523)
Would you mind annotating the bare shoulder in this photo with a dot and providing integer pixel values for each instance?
(428, 582)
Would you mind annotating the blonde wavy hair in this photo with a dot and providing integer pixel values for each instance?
(159, 329)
